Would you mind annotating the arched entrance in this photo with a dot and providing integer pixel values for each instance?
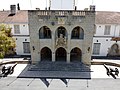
(75, 55)
(60, 54)
(46, 54)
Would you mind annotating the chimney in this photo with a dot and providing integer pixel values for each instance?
(75, 8)
(86, 9)
(92, 7)
(12, 10)
(18, 6)
(48, 8)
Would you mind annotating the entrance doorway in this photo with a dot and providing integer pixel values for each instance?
(60, 54)
(46, 54)
(75, 55)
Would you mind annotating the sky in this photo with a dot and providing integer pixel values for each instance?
(101, 5)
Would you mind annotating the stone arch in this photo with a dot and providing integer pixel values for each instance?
(60, 54)
(45, 33)
(46, 54)
(77, 33)
(114, 50)
(76, 55)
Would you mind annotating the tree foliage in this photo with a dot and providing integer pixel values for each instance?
(7, 43)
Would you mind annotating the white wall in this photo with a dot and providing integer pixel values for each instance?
(100, 30)
(105, 40)
(105, 44)
(19, 44)
(24, 29)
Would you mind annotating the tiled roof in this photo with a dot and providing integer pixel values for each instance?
(20, 17)
(106, 17)
(102, 17)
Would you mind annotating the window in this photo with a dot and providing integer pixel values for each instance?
(16, 29)
(107, 30)
(44, 33)
(77, 33)
(26, 47)
(96, 48)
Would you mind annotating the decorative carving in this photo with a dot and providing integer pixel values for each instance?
(114, 50)
(61, 41)
(61, 20)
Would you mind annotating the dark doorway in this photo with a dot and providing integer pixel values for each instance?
(60, 54)
(75, 55)
(46, 54)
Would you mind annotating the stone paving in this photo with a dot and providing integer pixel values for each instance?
(57, 70)
(98, 80)
(60, 66)
(96, 71)
(13, 83)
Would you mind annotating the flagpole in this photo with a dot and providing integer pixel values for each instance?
(92, 2)
(31, 4)
(46, 3)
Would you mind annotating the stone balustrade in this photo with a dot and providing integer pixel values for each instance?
(63, 13)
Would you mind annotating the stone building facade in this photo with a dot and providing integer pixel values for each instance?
(61, 35)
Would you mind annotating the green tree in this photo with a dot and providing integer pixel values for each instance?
(7, 43)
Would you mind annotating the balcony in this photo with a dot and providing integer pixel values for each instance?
(64, 13)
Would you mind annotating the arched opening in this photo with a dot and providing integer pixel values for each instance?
(44, 33)
(114, 50)
(46, 54)
(61, 30)
(77, 33)
(75, 55)
(60, 54)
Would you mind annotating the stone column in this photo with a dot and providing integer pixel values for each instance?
(68, 57)
(53, 57)
(53, 45)
(68, 45)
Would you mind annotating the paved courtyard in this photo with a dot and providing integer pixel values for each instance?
(98, 80)
(96, 71)
(13, 83)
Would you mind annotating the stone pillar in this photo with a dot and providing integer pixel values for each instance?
(68, 57)
(68, 46)
(53, 57)
(53, 45)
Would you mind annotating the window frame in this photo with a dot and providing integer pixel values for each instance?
(16, 29)
(26, 49)
(107, 29)
(96, 50)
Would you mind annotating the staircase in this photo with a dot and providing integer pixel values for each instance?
(60, 66)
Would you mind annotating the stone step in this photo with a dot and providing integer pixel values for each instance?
(60, 66)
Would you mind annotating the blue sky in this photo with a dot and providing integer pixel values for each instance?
(101, 5)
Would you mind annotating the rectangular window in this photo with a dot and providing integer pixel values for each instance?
(16, 29)
(26, 47)
(107, 30)
(96, 48)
